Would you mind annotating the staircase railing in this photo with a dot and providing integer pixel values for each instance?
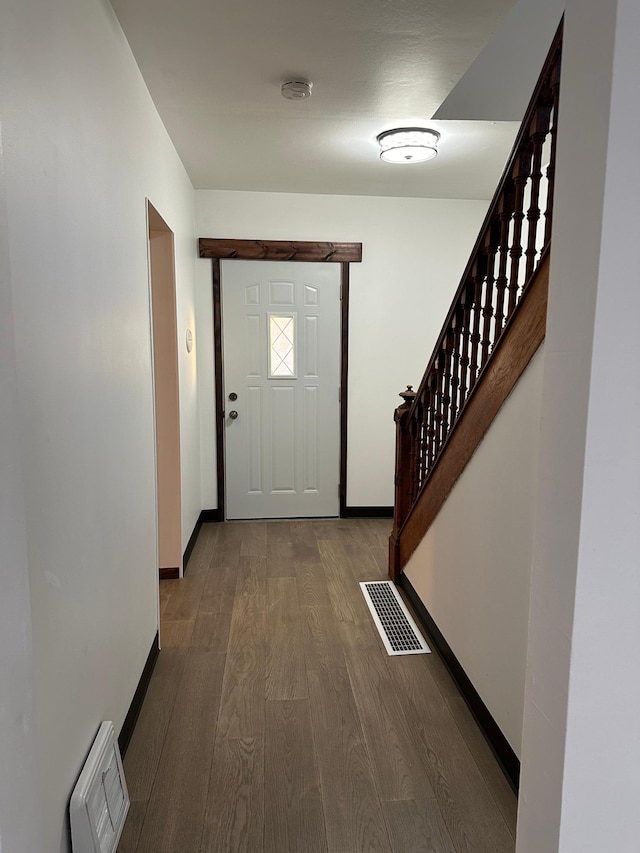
(512, 243)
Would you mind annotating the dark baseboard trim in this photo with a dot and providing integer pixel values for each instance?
(209, 515)
(138, 697)
(500, 747)
(169, 574)
(206, 516)
(367, 512)
(191, 544)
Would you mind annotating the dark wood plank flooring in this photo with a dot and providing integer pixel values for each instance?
(275, 722)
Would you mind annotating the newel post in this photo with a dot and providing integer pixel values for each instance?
(402, 500)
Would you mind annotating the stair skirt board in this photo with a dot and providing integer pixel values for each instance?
(498, 743)
(397, 630)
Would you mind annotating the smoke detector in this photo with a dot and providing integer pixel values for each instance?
(296, 90)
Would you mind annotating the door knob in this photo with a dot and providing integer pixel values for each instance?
(233, 396)
(233, 414)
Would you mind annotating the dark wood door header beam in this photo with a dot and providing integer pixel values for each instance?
(280, 250)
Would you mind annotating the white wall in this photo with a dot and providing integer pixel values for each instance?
(186, 252)
(581, 744)
(472, 569)
(19, 803)
(414, 252)
(520, 43)
(83, 148)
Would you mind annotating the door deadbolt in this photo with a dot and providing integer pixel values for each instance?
(233, 414)
(233, 396)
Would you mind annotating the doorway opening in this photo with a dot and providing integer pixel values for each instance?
(277, 250)
(164, 338)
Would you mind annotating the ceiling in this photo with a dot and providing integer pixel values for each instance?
(214, 71)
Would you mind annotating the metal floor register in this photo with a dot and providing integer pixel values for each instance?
(398, 631)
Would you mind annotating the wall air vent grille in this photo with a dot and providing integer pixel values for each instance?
(398, 631)
(100, 801)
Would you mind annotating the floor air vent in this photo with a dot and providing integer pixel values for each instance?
(398, 631)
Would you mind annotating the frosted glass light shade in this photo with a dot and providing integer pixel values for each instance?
(408, 145)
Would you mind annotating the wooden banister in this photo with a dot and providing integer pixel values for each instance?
(404, 455)
(511, 247)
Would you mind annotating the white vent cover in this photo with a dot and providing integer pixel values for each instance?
(397, 630)
(100, 800)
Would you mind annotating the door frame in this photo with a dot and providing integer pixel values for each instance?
(166, 394)
(280, 250)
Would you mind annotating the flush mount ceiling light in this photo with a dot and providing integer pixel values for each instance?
(296, 90)
(408, 145)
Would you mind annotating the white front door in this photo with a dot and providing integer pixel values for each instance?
(281, 325)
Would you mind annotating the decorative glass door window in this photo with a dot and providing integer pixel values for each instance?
(282, 362)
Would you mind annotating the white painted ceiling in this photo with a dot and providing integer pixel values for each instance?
(214, 70)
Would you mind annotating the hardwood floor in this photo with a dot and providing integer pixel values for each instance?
(275, 722)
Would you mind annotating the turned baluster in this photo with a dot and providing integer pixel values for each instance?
(403, 501)
(433, 410)
(437, 414)
(505, 212)
(431, 423)
(477, 277)
(414, 461)
(539, 128)
(490, 248)
(447, 346)
(456, 336)
(554, 83)
(418, 416)
(465, 332)
(426, 437)
(521, 170)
